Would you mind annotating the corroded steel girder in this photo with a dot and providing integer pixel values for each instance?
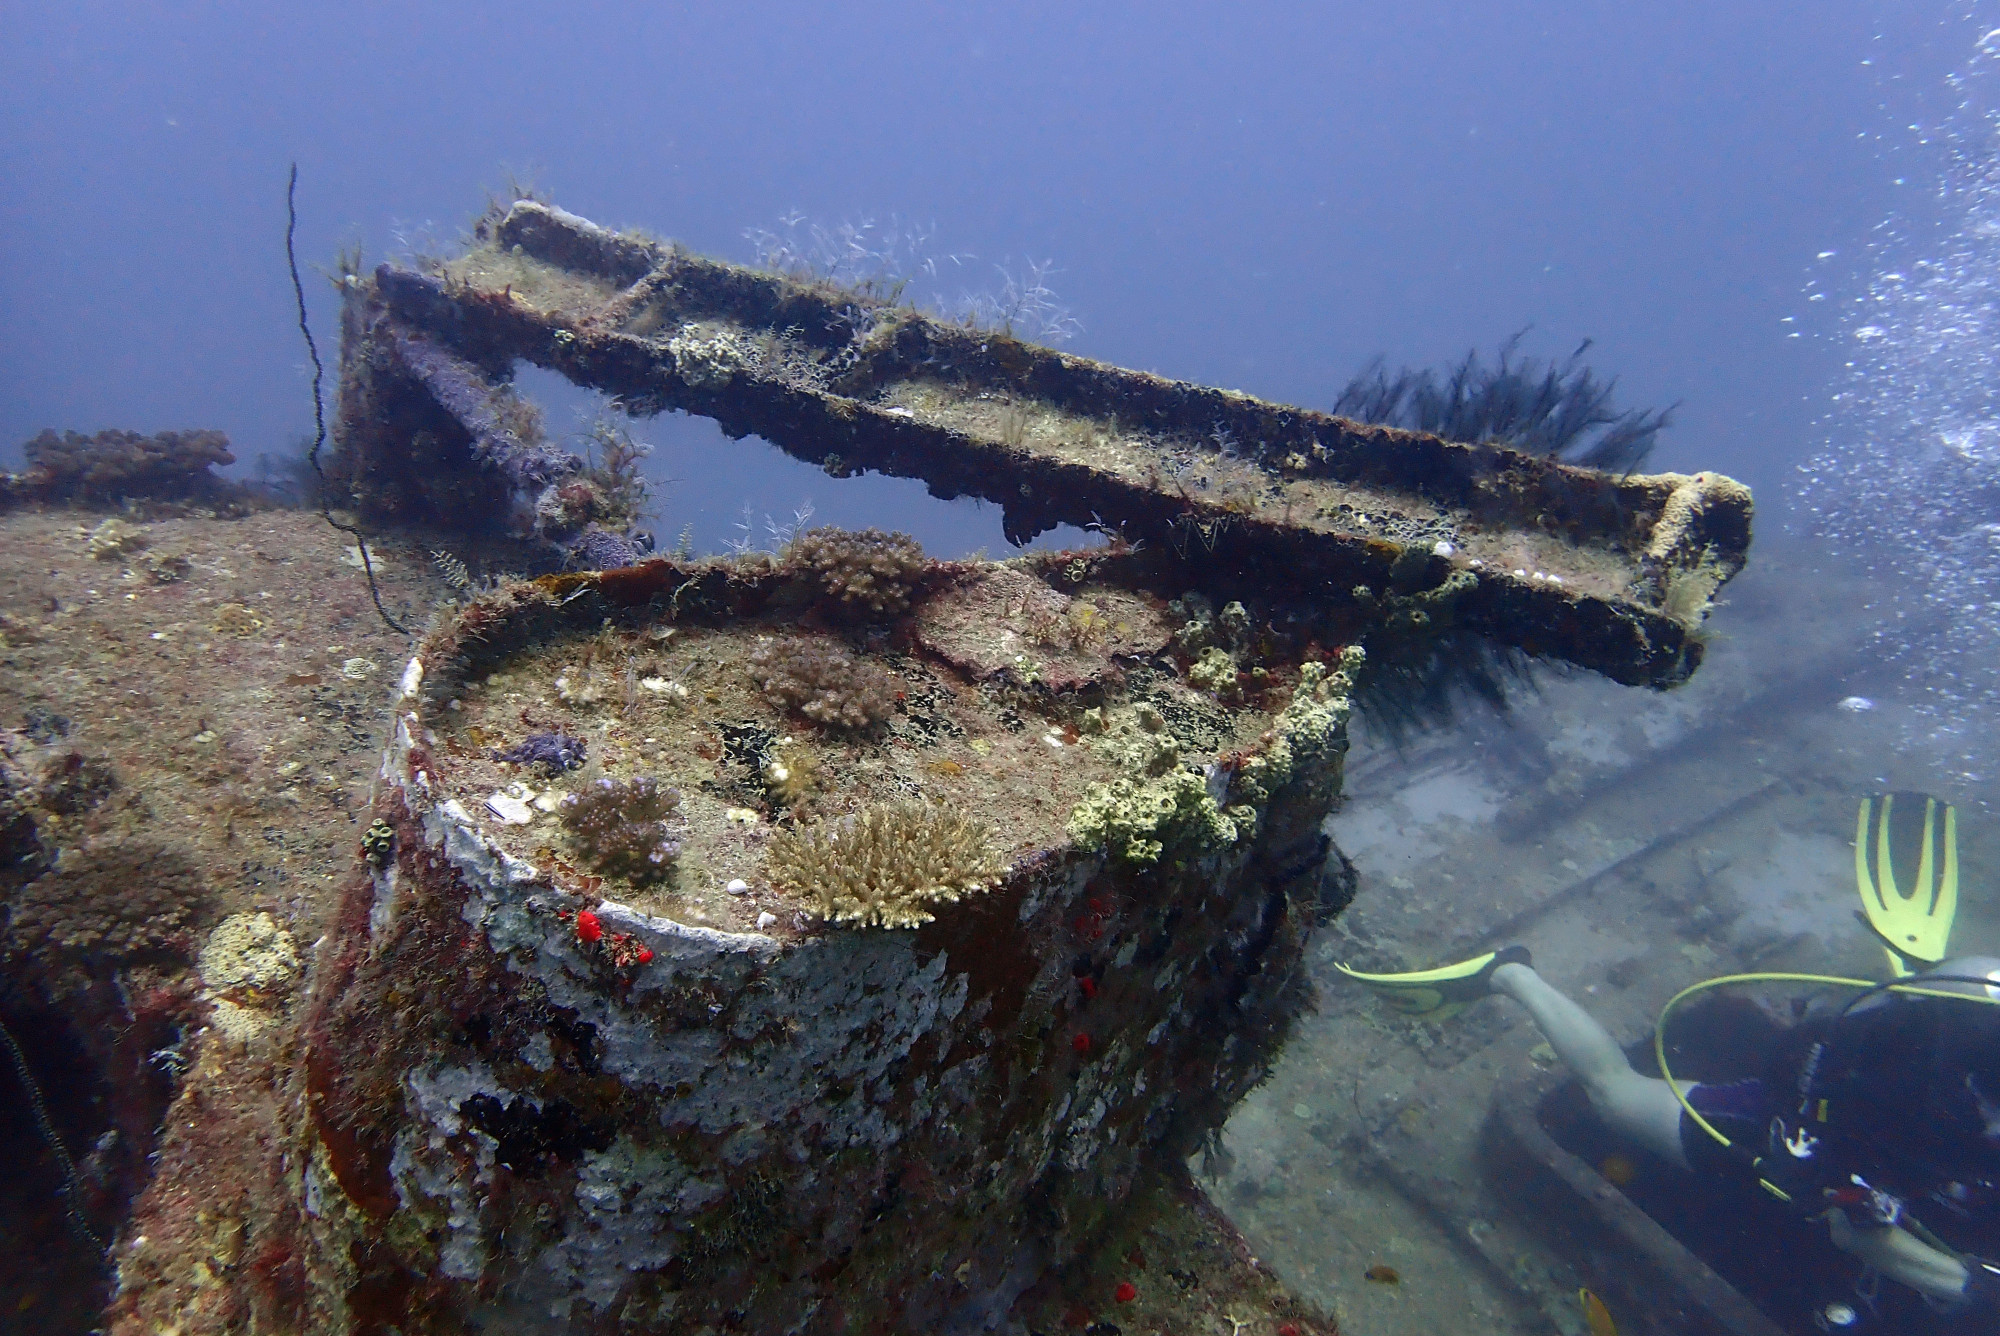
(1235, 494)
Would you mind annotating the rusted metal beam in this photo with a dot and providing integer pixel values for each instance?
(1231, 493)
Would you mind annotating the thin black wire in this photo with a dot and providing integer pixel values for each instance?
(319, 405)
(72, 1182)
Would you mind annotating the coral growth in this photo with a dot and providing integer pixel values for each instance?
(615, 470)
(1311, 731)
(22, 856)
(72, 782)
(249, 953)
(865, 570)
(598, 549)
(1686, 594)
(114, 539)
(115, 903)
(114, 465)
(824, 683)
(622, 827)
(1157, 803)
(1135, 739)
(1139, 819)
(234, 619)
(1058, 623)
(789, 772)
(1215, 671)
(884, 865)
(1560, 410)
(555, 751)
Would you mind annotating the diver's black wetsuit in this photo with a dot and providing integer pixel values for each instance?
(1889, 1111)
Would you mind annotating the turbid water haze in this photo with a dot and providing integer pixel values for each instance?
(1261, 197)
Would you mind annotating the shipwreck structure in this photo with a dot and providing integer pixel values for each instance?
(837, 939)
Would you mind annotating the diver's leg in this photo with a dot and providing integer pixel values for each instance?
(1642, 1107)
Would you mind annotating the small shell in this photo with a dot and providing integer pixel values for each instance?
(739, 887)
(509, 810)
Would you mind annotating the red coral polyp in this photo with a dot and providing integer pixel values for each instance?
(588, 929)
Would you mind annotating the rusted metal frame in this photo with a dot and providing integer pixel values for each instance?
(836, 353)
(1489, 483)
(1623, 641)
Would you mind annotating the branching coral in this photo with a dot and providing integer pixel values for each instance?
(622, 827)
(867, 571)
(885, 865)
(824, 683)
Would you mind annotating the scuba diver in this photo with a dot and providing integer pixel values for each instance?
(1873, 1109)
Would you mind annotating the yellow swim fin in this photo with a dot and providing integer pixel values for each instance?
(1595, 1315)
(1437, 994)
(1906, 869)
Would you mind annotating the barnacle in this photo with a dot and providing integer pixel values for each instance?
(824, 683)
(886, 864)
(866, 570)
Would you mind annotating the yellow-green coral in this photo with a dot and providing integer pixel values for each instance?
(1137, 820)
(1160, 802)
(1216, 671)
(887, 864)
(1314, 721)
(1134, 739)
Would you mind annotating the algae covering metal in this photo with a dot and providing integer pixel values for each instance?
(1609, 572)
(676, 1097)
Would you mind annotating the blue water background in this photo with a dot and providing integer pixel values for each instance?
(1257, 196)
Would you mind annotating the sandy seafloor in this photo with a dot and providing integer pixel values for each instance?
(1635, 841)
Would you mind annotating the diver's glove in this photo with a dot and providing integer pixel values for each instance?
(1867, 1207)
